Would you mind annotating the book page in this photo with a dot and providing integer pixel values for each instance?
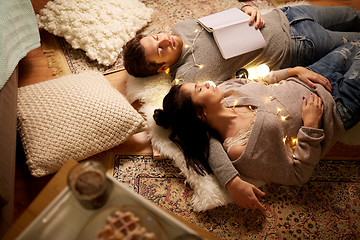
(238, 39)
(224, 18)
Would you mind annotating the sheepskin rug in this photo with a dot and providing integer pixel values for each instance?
(207, 191)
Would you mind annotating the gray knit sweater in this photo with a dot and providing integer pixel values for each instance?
(204, 50)
(266, 157)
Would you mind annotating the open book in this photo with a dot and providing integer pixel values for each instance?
(232, 32)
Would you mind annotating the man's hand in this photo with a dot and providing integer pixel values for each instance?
(310, 77)
(244, 194)
(255, 16)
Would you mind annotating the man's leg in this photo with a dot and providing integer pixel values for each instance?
(340, 18)
(342, 68)
(311, 37)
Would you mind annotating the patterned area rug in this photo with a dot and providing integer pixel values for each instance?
(327, 207)
(166, 14)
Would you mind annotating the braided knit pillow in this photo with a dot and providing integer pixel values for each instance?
(75, 116)
(99, 27)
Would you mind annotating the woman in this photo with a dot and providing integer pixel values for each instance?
(275, 133)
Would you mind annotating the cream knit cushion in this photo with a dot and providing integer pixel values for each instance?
(99, 27)
(75, 116)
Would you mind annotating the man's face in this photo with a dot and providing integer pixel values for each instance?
(162, 48)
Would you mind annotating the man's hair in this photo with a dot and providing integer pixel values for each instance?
(135, 61)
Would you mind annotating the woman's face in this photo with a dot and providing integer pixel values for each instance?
(203, 94)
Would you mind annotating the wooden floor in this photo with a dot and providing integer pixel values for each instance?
(34, 68)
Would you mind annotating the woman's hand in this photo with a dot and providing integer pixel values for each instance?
(309, 77)
(254, 15)
(312, 111)
(244, 194)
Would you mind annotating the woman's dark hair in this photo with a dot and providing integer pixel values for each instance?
(191, 134)
(135, 61)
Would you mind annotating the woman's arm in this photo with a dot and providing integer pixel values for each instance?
(307, 76)
(220, 163)
(310, 77)
(308, 148)
(243, 193)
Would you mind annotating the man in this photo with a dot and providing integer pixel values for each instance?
(297, 35)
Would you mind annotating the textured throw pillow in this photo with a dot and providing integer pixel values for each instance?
(99, 27)
(75, 116)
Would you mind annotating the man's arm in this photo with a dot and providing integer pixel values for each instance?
(255, 15)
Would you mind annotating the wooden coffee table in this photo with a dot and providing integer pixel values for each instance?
(56, 187)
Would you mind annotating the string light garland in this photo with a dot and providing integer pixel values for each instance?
(290, 141)
(255, 73)
(258, 72)
(179, 80)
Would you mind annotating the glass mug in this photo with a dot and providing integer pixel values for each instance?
(89, 184)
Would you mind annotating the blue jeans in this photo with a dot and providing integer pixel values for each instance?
(342, 68)
(316, 31)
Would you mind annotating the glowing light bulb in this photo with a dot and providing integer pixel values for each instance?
(167, 71)
(201, 66)
(278, 110)
(186, 46)
(283, 118)
(284, 139)
(177, 81)
(235, 102)
(258, 72)
(196, 30)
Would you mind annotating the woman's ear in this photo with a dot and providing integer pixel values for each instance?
(201, 115)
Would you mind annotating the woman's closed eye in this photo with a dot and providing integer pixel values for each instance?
(198, 88)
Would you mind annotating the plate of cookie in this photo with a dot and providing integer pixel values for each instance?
(123, 222)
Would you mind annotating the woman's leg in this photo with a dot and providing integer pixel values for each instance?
(313, 30)
(342, 68)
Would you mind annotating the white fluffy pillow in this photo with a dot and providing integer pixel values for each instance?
(99, 27)
(207, 191)
(75, 116)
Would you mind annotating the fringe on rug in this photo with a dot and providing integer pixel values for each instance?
(55, 56)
